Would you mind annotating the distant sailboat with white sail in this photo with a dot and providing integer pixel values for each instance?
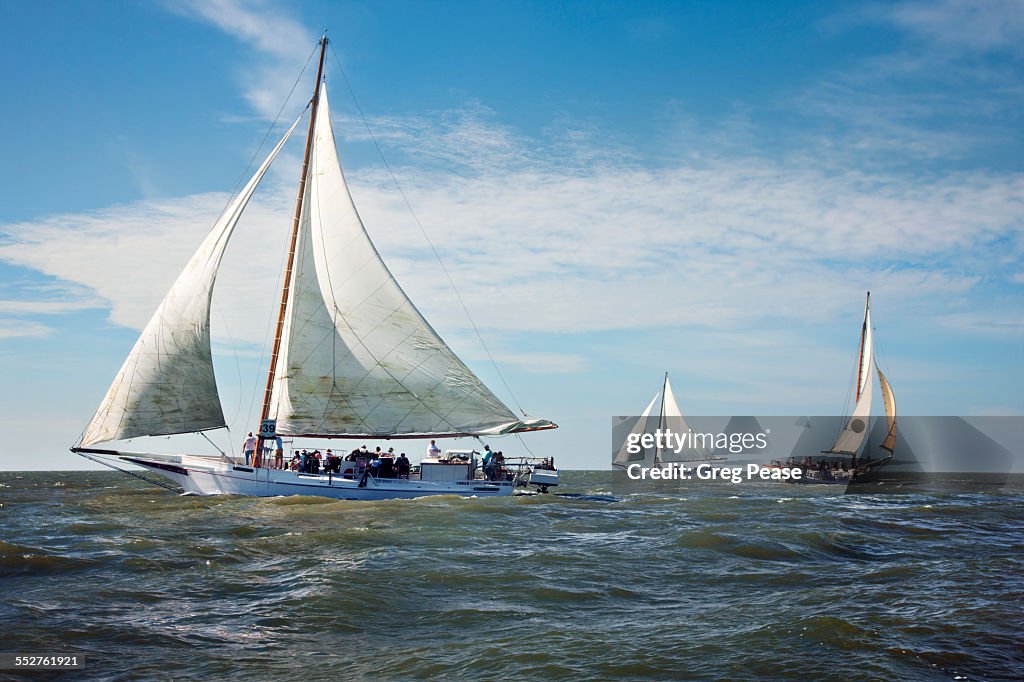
(849, 460)
(667, 417)
(352, 358)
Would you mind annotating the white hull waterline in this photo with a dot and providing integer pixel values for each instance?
(201, 475)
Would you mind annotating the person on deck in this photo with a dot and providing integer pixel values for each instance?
(278, 453)
(433, 451)
(488, 465)
(249, 447)
(403, 466)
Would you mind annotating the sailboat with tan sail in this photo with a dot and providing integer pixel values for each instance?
(352, 358)
(851, 459)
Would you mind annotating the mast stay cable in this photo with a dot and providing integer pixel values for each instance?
(133, 474)
(426, 236)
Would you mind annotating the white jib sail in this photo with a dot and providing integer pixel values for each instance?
(856, 430)
(624, 456)
(672, 418)
(166, 384)
(358, 358)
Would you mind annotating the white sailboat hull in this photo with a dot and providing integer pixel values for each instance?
(217, 478)
(272, 483)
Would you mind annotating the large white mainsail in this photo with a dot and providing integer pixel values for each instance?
(856, 430)
(167, 384)
(358, 357)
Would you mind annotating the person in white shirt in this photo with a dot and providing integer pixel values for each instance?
(433, 450)
(249, 447)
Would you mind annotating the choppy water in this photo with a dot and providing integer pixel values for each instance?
(707, 582)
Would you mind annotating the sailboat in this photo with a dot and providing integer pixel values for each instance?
(352, 358)
(849, 459)
(668, 416)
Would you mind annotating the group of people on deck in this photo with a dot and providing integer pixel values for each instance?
(382, 464)
(493, 463)
(315, 462)
(821, 465)
(378, 463)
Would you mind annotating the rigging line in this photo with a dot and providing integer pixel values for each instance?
(234, 192)
(853, 387)
(433, 248)
(203, 434)
(270, 318)
(337, 313)
(520, 437)
(271, 128)
(266, 334)
(850, 401)
(880, 358)
(132, 473)
(238, 184)
(228, 436)
(234, 349)
(379, 363)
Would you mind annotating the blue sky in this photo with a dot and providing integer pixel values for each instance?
(619, 189)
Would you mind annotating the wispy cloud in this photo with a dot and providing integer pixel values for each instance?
(279, 41)
(1009, 323)
(127, 256)
(539, 244)
(267, 27)
(721, 243)
(24, 300)
(544, 363)
(34, 296)
(967, 25)
(947, 88)
(45, 307)
(17, 329)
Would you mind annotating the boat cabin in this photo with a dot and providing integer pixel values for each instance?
(453, 465)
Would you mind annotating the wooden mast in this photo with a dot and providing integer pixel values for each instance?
(863, 336)
(272, 371)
